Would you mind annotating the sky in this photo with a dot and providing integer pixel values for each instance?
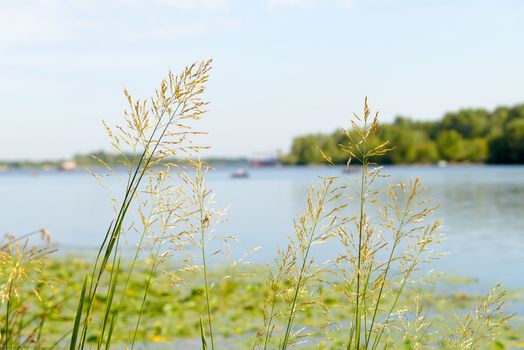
(282, 68)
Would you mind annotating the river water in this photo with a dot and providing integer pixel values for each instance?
(482, 208)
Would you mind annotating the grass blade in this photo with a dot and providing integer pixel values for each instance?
(203, 335)
(78, 317)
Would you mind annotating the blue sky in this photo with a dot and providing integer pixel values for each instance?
(282, 67)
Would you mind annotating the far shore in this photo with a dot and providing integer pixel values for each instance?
(75, 167)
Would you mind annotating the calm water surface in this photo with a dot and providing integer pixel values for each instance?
(482, 208)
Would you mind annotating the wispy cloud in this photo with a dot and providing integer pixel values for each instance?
(200, 4)
(44, 22)
(307, 3)
(40, 22)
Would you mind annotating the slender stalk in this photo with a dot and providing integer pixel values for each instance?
(383, 282)
(404, 281)
(19, 238)
(270, 322)
(7, 313)
(297, 290)
(146, 289)
(110, 294)
(131, 270)
(363, 180)
(206, 283)
(299, 283)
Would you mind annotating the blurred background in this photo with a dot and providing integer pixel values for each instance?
(447, 78)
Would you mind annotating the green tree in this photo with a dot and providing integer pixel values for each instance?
(427, 152)
(470, 135)
(509, 147)
(305, 150)
(476, 150)
(450, 145)
(469, 123)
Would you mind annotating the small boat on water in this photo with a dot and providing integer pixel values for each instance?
(68, 166)
(240, 173)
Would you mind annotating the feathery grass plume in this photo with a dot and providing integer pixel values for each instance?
(278, 285)
(296, 266)
(385, 242)
(21, 290)
(172, 216)
(479, 326)
(202, 219)
(415, 328)
(161, 211)
(154, 130)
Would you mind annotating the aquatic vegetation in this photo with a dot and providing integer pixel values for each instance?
(170, 315)
(365, 297)
(23, 291)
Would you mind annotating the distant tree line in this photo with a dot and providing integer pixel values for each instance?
(114, 159)
(95, 159)
(469, 135)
